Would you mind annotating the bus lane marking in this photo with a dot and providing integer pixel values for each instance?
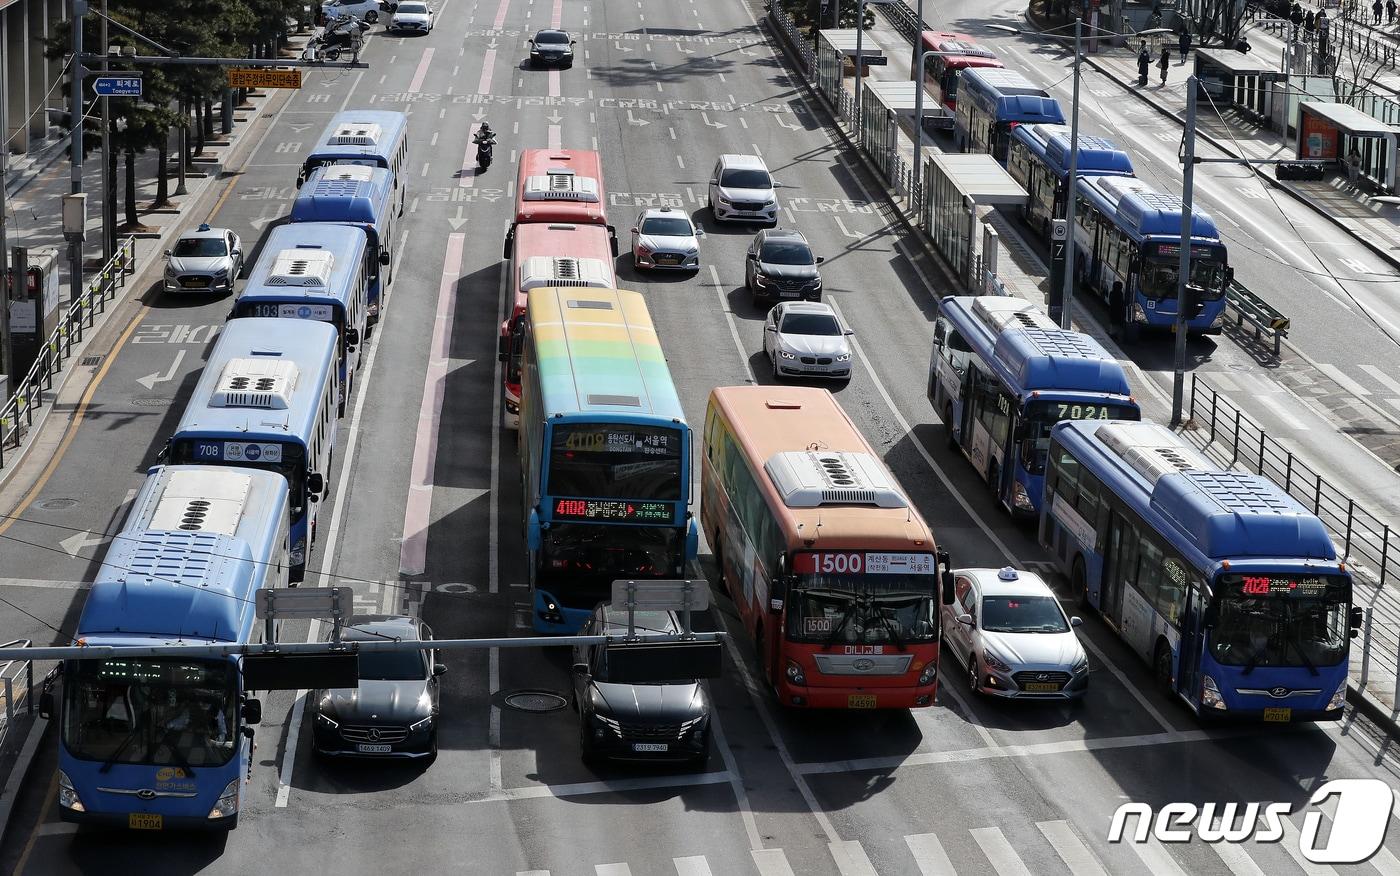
(422, 72)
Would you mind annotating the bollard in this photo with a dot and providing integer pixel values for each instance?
(1317, 495)
(1385, 549)
(1346, 550)
(1288, 475)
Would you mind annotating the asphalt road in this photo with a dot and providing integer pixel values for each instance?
(980, 787)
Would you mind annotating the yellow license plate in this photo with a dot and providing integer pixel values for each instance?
(1042, 687)
(145, 821)
(860, 701)
(1278, 715)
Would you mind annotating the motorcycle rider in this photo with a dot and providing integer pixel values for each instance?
(485, 140)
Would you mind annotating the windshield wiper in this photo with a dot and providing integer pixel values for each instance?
(130, 737)
(841, 625)
(890, 626)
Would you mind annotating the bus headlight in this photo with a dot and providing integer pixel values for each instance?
(1020, 498)
(299, 552)
(929, 674)
(794, 673)
(1210, 694)
(1339, 699)
(227, 804)
(68, 795)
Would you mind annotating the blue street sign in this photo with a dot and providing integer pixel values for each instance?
(117, 86)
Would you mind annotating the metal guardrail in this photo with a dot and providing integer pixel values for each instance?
(1250, 308)
(10, 672)
(904, 20)
(31, 393)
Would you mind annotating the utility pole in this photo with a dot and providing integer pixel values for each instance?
(7, 359)
(109, 205)
(1067, 301)
(1184, 266)
(75, 243)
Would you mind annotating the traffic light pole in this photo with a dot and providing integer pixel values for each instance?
(1184, 267)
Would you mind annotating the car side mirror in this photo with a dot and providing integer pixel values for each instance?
(714, 180)
(439, 669)
(384, 257)
(753, 256)
(965, 619)
(252, 711)
(1076, 622)
(238, 252)
(167, 253)
(573, 42)
(850, 333)
(699, 232)
(635, 230)
(46, 704)
(316, 483)
(580, 669)
(770, 328)
(531, 42)
(821, 259)
(1356, 618)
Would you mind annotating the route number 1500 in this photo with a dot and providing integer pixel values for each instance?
(840, 563)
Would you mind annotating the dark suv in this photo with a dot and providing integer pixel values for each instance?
(781, 267)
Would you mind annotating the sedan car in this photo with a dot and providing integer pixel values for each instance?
(366, 10)
(806, 339)
(394, 711)
(667, 720)
(552, 48)
(666, 238)
(1014, 639)
(204, 260)
(780, 265)
(412, 16)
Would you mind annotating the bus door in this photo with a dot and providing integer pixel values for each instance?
(1188, 665)
(1119, 568)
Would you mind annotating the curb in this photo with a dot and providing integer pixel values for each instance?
(19, 772)
(1374, 709)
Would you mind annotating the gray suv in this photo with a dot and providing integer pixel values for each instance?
(781, 267)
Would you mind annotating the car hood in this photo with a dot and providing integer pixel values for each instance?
(553, 49)
(815, 345)
(788, 272)
(668, 242)
(410, 18)
(381, 702)
(762, 196)
(648, 702)
(199, 265)
(1035, 649)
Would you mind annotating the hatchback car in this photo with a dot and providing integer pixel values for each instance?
(742, 190)
(394, 711)
(1012, 636)
(412, 16)
(204, 260)
(780, 265)
(806, 339)
(667, 239)
(668, 720)
(552, 48)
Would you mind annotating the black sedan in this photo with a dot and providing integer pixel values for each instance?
(552, 48)
(634, 721)
(394, 711)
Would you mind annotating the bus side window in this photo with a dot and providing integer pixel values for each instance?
(1149, 569)
(1171, 593)
(1066, 476)
(958, 350)
(1087, 503)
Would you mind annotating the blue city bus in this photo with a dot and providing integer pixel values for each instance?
(1228, 588)
(362, 197)
(316, 271)
(604, 453)
(1039, 161)
(371, 138)
(1002, 375)
(161, 743)
(992, 101)
(1127, 233)
(267, 399)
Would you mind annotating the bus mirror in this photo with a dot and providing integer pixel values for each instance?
(316, 483)
(940, 333)
(1356, 618)
(947, 586)
(252, 711)
(46, 704)
(162, 453)
(612, 239)
(965, 619)
(248, 733)
(532, 530)
(384, 257)
(1229, 275)
(352, 337)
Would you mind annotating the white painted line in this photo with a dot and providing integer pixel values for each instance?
(1221, 380)
(553, 83)
(531, 873)
(851, 859)
(351, 93)
(995, 846)
(1291, 836)
(493, 729)
(1071, 848)
(733, 325)
(433, 142)
(422, 72)
(612, 870)
(1236, 859)
(731, 766)
(770, 862)
(1157, 858)
(483, 85)
(1288, 417)
(425, 169)
(612, 786)
(42, 584)
(1382, 378)
(556, 138)
(680, 163)
(1342, 379)
(694, 865)
(929, 855)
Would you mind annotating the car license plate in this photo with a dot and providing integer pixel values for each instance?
(145, 821)
(1042, 687)
(194, 282)
(786, 294)
(368, 748)
(1278, 715)
(860, 701)
(668, 260)
(651, 746)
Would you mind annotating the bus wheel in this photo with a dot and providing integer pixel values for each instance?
(1079, 584)
(1162, 667)
(948, 426)
(994, 481)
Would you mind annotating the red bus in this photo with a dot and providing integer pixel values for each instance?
(559, 185)
(548, 254)
(836, 576)
(941, 71)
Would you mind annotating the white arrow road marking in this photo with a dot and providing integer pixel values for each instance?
(80, 540)
(705, 117)
(620, 47)
(779, 120)
(635, 121)
(150, 380)
(457, 221)
(844, 230)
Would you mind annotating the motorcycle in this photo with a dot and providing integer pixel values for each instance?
(484, 148)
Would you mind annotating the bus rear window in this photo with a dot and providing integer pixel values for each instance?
(615, 461)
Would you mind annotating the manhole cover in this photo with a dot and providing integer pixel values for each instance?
(56, 504)
(152, 402)
(535, 701)
(89, 361)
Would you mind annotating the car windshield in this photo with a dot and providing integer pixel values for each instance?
(1022, 614)
(786, 252)
(413, 8)
(667, 226)
(551, 36)
(745, 179)
(810, 324)
(392, 666)
(200, 248)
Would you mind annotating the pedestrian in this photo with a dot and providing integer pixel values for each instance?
(1389, 11)
(1353, 165)
(1164, 62)
(1376, 8)
(1242, 45)
(1184, 43)
(1309, 24)
(1144, 64)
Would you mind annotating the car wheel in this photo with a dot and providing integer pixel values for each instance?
(972, 681)
(587, 751)
(994, 482)
(777, 375)
(371, 16)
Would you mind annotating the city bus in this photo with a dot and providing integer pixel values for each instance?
(559, 185)
(991, 102)
(267, 399)
(604, 453)
(956, 53)
(1002, 375)
(1127, 233)
(548, 254)
(1228, 588)
(362, 197)
(317, 271)
(836, 577)
(1039, 161)
(162, 743)
(372, 138)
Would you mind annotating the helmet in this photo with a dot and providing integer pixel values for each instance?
(485, 127)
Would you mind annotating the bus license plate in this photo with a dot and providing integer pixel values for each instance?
(1278, 715)
(1042, 687)
(145, 821)
(368, 748)
(860, 701)
(651, 746)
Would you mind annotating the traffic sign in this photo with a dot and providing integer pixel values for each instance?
(661, 595)
(267, 77)
(126, 85)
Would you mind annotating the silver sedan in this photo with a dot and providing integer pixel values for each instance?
(204, 260)
(807, 339)
(666, 238)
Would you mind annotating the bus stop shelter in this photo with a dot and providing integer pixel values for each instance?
(888, 107)
(1327, 131)
(955, 186)
(1235, 79)
(834, 48)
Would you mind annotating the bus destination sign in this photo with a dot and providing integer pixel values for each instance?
(1282, 585)
(612, 509)
(862, 563)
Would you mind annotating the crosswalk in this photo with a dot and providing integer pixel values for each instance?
(995, 852)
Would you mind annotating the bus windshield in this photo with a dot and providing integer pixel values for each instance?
(599, 553)
(291, 464)
(1280, 620)
(176, 712)
(1041, 416)
(830, 616)
(615, 461)
(1159, 276)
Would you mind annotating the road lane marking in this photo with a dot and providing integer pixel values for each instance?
(556, 137)
(488, 63)
(733, 325)
(771, 862)
(556, 15)
(1071, 848)
(1236, 859)
(467, 177)
(1343, 380)
(421, 73)
(851, 859)
(43, 584)
(929, 855)
(1156, 857)
(493, 730)
(736, 782)
(1382, 378)
(1289, 418)
(1291, 839)
(553, 83)
(995, 846)
(608, 786)
(501, 14)
(612, 870)
(693, 865)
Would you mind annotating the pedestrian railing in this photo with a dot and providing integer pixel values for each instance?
(33, 392)
(806, 54)
(1266, 320)
(904, 20)
(16, 696)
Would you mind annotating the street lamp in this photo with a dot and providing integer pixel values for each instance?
(1067, 297)
(860, 65)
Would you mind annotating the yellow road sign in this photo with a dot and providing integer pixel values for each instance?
(255, 77)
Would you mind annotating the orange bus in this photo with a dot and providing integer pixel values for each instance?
(836, 576)
(559, 185)
(548, 254)
(958, 52)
